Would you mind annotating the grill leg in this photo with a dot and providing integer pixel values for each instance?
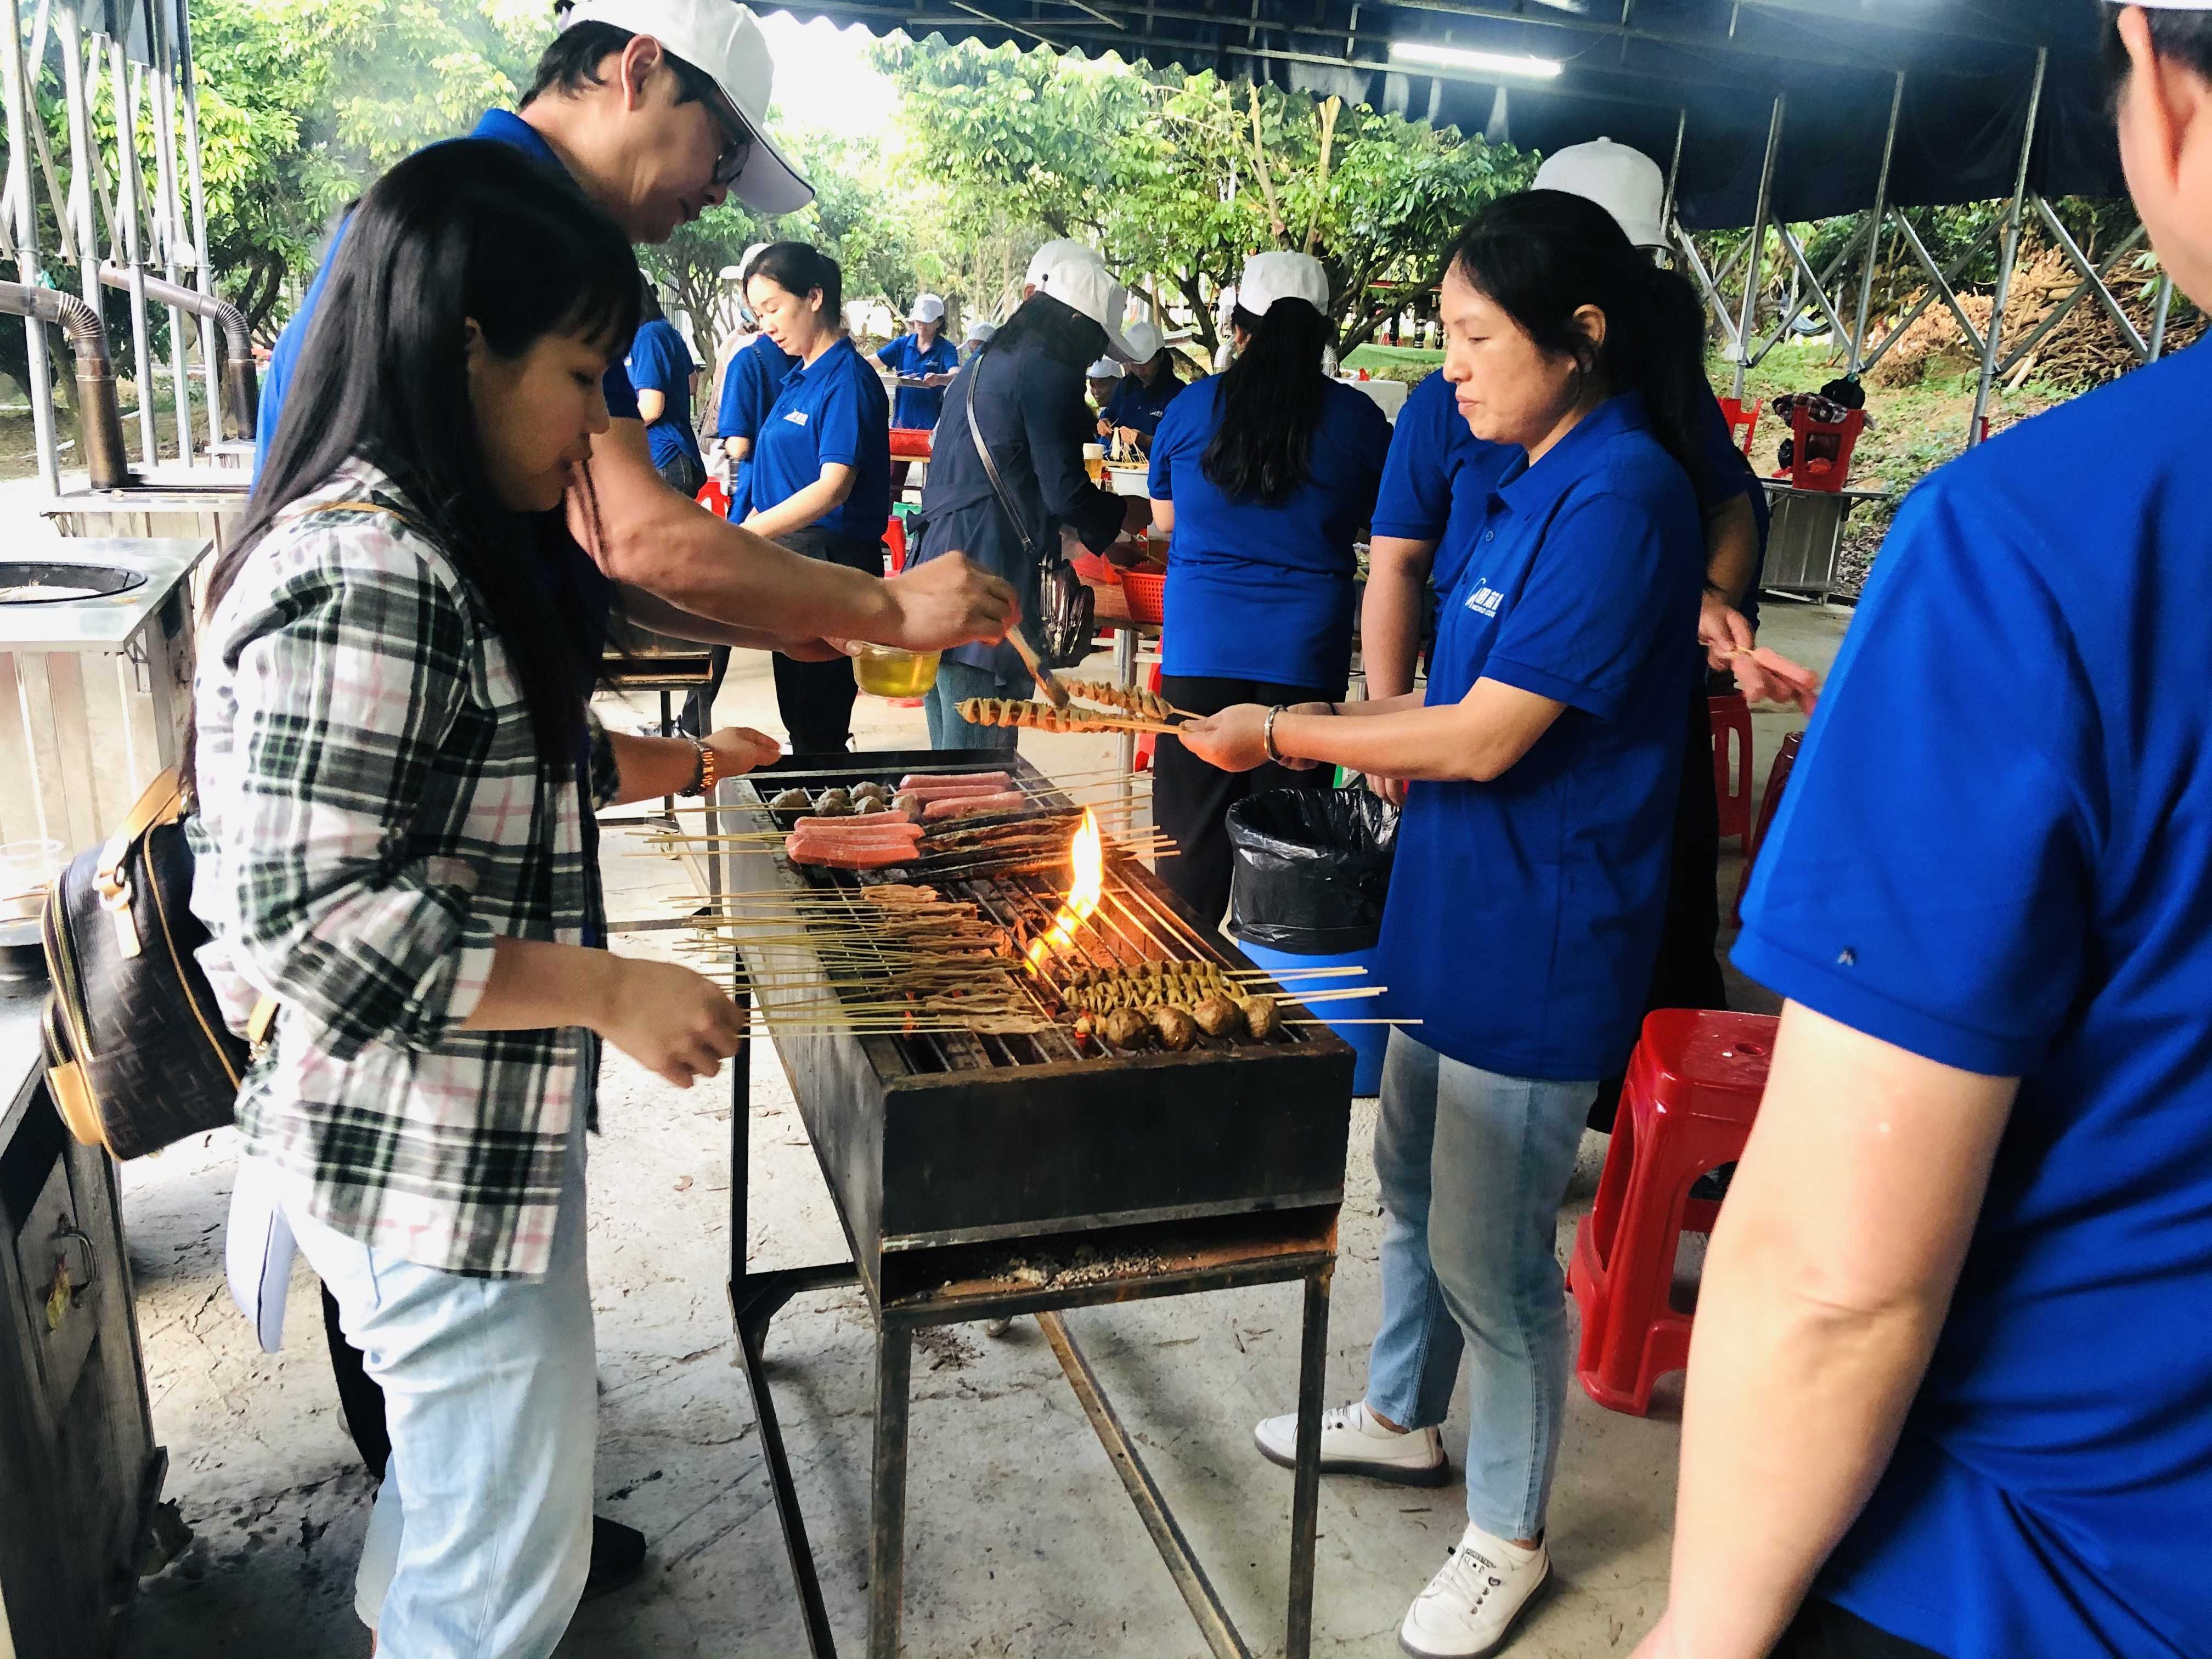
(887, 1505)
(1305, 1487)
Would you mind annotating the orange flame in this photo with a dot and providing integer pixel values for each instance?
(1087, 855)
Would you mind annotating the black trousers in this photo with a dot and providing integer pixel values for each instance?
(697, 717)
(1191, 800)
(359, 1399)
(1687, 974)
(1824, 1631)
(815, 699)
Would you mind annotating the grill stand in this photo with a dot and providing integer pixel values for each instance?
(1294, 1251)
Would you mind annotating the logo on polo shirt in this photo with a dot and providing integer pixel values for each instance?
(1484, 600)
(797, 417)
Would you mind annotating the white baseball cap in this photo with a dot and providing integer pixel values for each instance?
(724, 44)
(927, 308)
(1271, 277)
(1054, 254)
(1626, 183)
(1079, 280)
(1143, 340)
(981, 330)
(1104, 369)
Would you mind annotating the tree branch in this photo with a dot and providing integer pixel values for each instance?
(1329, 110)
(1266, 180)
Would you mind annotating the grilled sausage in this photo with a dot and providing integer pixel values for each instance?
(968, 806)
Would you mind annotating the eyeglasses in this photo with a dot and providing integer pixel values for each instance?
(736, 150)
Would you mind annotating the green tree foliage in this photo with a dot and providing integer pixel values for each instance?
(1176, 179)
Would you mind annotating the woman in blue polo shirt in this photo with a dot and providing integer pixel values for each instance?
(757, 373)
(820, 467)
(1264, 476)
(1531, 871)
(923, 357)
(1132, 413)
(661, 370)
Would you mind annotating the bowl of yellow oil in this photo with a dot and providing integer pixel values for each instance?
(884, 670)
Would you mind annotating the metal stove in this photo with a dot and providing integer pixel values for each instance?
(964, 1166)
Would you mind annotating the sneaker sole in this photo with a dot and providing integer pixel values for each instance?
(1503, 1636)
(1397, 1474)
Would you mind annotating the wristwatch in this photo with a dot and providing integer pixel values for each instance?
(703, 779)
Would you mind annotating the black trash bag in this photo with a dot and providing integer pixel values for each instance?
(1312, 867)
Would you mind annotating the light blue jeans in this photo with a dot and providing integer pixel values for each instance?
(958, 680)
(1473, 1167)
(481, 1539)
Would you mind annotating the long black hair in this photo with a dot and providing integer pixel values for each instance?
(1542, 255)
(1056, 328)
(1271, 402)
(469, 231)
(798, 268)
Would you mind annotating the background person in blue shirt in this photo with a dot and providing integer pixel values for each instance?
(1953, 1368)
(749, 392)
(662, 374)
(1531, 865)
(1153, 382)
(821, 470)
(926, 359)
(1264, 474)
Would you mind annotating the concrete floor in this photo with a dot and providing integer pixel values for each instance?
(1020, 1540)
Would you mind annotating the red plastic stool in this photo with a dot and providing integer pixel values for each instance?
(1742, 421)
(714, 498)
(1693, 1090)
(1777, 779)
(1731, 723)
(895, 539)
(1149, 741)
(1820, 456)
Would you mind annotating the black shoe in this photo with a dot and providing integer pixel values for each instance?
(617, 1556)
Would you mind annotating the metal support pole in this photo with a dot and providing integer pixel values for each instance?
(83, 158)
(1674, 170)
(143, 369)
(1873, 227)
(203, 273)
(1757, 245)
(1305, 1487)
(1994, 336)
(20, 206)
(171, 221)
(887, 1502)
(2157, 321)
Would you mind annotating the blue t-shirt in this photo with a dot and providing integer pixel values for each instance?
(500, 124)
(1264, 592)
(917, 407)
(755, 375)
(659, 361)
(1524, 913)
(1139, 406)
(832, 410)
(1995, 851)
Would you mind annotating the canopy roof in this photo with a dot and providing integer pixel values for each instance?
(1640, 71)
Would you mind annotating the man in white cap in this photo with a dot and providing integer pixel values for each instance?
(658, 110)
(980, 333)
(1132, 413)
(1950, 1390)
(1101, 379)
(1025, 390)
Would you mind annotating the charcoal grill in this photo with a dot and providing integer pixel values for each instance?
(963, 1166)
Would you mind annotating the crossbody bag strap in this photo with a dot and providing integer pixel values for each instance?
(1030, 543)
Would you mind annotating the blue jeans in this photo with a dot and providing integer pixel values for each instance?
(481, 1538)
(955, 682)
(1472, 1168)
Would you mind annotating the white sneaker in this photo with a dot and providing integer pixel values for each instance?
(1353, 1443)
(1469, 1605)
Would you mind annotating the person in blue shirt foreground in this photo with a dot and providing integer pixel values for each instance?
(1531, 871)
(1950, 1390)
(1132, 412)
(1026, 390)
(1264, 476)
(821, 470)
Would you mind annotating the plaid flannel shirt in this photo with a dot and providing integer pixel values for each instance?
(372, 814)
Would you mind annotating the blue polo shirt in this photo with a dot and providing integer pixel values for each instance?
(659, 361)
(505, 127)
(755, 375)
(1995, 851)
(917, 407)
(1263, 592)
(1139, 406)
(1524, 913)
(832, 410)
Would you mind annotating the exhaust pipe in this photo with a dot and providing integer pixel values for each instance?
(100, 417)
(241, 387)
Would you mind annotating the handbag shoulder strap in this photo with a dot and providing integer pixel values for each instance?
(991, 467)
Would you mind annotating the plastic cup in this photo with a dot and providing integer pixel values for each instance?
(884, 670)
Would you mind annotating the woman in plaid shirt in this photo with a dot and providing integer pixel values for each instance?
(393, 758)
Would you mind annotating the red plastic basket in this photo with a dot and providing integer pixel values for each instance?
(1096, 568)
(1147, 592)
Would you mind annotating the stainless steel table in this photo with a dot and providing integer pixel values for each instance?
(1808, 535)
